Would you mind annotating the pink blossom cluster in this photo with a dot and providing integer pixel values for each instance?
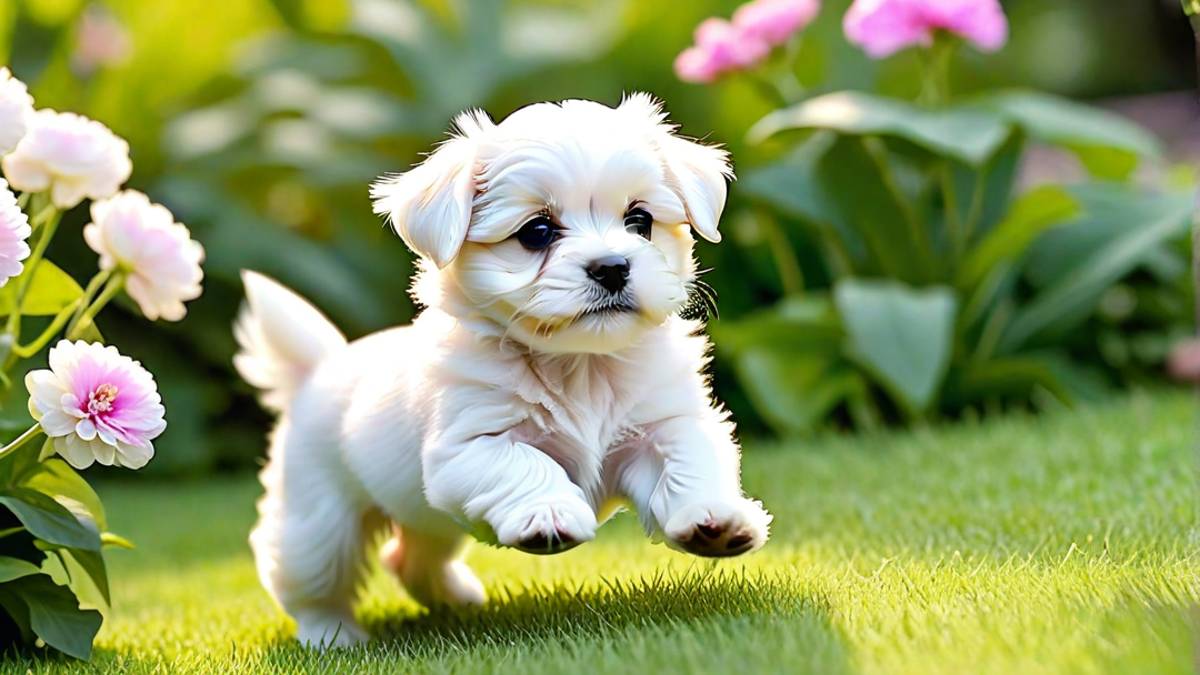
(884, 27)
(741, 43)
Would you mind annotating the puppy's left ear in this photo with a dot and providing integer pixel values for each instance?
(430, 205)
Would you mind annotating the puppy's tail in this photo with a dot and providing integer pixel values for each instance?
(282, 339)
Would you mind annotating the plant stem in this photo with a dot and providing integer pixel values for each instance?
(33, 432)
(51, 330)
(114, 286)
(791, 277)
(954, 225)
(88, 293)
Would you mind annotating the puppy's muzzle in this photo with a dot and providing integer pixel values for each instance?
(611, 272)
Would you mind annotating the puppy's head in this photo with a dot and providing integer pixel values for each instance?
(566, 226)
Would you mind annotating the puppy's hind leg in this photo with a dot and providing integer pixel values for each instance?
(431, 568)
(310, 542)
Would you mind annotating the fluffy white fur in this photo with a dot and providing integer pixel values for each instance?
(516, 408)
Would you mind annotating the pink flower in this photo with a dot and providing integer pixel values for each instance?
(883, 27)
(14, 235)
(96, 405)
(69, 155)
(720, 47)
(775, 21)
(16, 111)
(100, 40)
(143, 240)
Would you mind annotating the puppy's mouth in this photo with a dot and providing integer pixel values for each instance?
(609, 308)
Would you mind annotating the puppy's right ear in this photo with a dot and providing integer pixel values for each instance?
(430, 205)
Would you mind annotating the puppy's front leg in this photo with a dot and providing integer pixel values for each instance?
(520, 493)
(686, 484)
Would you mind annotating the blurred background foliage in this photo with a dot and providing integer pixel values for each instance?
(261, 122)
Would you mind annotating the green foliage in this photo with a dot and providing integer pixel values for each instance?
(50, 540)
(988, 286)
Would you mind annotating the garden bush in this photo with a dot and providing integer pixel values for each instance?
(312, 100)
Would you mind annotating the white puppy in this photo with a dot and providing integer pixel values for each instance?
(549, 379)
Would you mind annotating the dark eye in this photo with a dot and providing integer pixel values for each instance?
(538, 233)
(639, 221)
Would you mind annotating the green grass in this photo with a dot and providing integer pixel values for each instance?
(1061, 544)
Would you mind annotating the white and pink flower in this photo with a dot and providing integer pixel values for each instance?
(16, 111)
(142, 239)
(884, 27)
(69, 155)
(14, 235)
(96, 405)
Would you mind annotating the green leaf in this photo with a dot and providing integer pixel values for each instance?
(795, 186)
(17, 611)
(1107, 143)
(864, 197)
(795, 390)
(55, 478)
(55, 615)
(51, 291)
(15, 568)
(1029, 216)
(1069, 299)
(968, 135)
(92, 563)
(903, 336)
(47, 519)
(984, 193)
(977, 382)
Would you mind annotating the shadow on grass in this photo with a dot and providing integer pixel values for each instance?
(707, 619)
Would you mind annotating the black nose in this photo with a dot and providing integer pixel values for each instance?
(611, 272)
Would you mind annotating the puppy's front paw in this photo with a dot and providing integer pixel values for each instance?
(547, 526)
(719, 529)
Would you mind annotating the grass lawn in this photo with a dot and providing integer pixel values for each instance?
(1061, 544)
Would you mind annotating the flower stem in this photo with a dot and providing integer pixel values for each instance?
(34, 347)
(88, 293)
(935, 84)
(32, 433)
(791, 278)
(114, 286)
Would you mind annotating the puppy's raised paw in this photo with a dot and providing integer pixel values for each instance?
(548, 526)
(719, 529)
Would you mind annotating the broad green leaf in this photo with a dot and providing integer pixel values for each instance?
(55, 615)
(1110, 211)
(974, 382)
(794, 185)
(51, 291)
(1069, 299)
(903, 336)
(15, 568)
(55, 478)
(92, 564)
(1029, 216)
(865, 197)
(47, 519)
(17, 610)
(984, 193)
(801, 324)
(1109, 144)
(795, 390)
(968, 135)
